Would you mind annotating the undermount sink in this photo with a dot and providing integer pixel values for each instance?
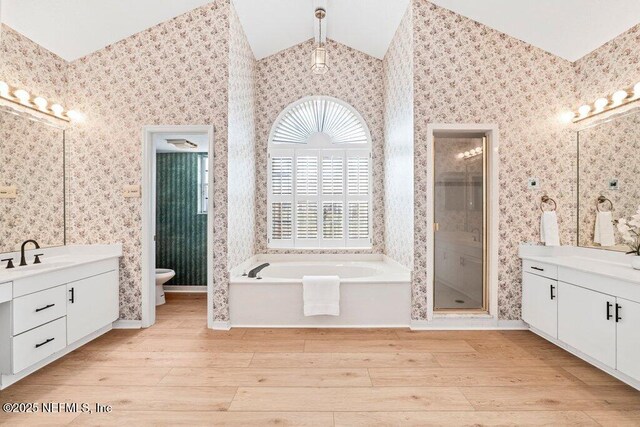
(46, 265)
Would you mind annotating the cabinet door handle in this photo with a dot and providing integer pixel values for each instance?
(44, 342)
(552, 288)
(609, 315)
(45, 307)
(618, 308)
(537, 268)
(72, 299)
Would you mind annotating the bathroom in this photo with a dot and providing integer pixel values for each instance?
(422, 152)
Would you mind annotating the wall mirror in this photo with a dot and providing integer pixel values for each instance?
(32, 181)
(608, 179)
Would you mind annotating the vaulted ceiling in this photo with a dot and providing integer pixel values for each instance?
(75, 28)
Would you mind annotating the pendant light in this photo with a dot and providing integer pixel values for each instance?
(319, 57)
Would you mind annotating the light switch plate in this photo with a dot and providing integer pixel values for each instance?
(131, 191)
(8, 192)
(613, 184)
(534, 183)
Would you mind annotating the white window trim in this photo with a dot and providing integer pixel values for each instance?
(318, 148)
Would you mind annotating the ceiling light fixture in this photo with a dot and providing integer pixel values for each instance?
(319, 57)
(182, 144)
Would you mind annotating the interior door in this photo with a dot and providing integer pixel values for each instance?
(459, 222)
(586, 321)
(628, 340)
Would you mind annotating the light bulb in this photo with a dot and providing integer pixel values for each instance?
(601, 103)
(567, 116)
(4, 89)
(22, 95)
(75, 116)
(584, 110)
(636, 90)
(467, 153)
(478, 149)
(460, 155)
(40, 102)
(57, 109)
(619, 96)
(472, 151)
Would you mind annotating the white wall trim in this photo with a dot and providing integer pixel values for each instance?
(148, 218)
(467, 323)
(493, 142)
(127, 324)
(178, 289)
(219, 325)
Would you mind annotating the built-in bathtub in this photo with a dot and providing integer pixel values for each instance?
(375, 291)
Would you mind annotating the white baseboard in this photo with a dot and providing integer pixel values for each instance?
(467, 323)
(220, 325)
(127, 324)
(185, 289)
(320, 325)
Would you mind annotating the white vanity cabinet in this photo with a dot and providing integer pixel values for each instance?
(589, 306)
(48, 310)
(92, 303)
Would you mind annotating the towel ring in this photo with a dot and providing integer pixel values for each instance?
(602, 200)
(546, 200)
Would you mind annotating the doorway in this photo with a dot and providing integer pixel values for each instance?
(177, 221)
(462, 221)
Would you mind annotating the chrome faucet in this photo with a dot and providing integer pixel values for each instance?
(23, 260)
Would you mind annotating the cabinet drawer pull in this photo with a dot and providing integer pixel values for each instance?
(45, 342)
(552, 288)
(618, 308)
(45, 307)
(609, 315)
(537, 268)
(72, 299)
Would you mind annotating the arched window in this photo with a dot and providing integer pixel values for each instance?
(319, 176)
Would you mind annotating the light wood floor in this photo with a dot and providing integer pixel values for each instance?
(180, 373)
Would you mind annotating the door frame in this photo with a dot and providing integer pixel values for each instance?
(149, 217)
(492, 211)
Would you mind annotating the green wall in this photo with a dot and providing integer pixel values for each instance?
(181, 233)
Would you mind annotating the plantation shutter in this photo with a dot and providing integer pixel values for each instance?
(307, 192)
(358, 198)
(280, 210)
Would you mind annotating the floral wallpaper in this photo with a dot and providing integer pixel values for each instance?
(175, 73)
(32, 160)
(27, 65)
(242, 136)
(465, 72)
(609, 151)
(285, 77)
(398, 144)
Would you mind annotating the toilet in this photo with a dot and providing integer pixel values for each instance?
(163, 275)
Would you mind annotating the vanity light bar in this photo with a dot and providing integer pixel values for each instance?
(470, 154)
(602, 105)
(23, 98)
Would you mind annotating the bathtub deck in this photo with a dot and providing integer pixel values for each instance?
(180, 373)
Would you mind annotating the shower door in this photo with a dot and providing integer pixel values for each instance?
(460, 222)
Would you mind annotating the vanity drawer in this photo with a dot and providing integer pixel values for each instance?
(39, 308)
(549, 271)
(38, 344)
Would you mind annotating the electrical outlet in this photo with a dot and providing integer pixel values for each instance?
(534, 184)
(613, 184)
(131, 191)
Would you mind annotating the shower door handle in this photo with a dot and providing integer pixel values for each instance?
(436, 226)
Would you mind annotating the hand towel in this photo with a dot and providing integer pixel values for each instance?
(604, 234)
(549, 232)
(321, 295)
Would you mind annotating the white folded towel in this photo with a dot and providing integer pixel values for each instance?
(604, 234)
(549, 232)
(321, 295)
